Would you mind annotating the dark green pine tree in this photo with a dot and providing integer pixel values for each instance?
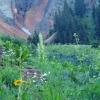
(64, 25)
(97, 21)
(80, 8)
(84, 24)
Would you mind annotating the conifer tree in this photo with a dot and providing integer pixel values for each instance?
(97, 21)
(80, 8)
(64, 25)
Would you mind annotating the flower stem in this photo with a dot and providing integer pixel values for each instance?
(19, 89)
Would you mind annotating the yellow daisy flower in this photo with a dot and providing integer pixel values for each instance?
(18, 82)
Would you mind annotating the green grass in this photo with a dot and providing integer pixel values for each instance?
(73, 72)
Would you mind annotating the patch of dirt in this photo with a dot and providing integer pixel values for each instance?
(31, 73)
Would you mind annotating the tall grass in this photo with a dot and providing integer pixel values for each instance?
(71, 73)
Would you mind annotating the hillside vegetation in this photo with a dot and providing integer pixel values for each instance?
(54, 72)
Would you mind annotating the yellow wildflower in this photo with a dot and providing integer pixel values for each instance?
(18, 82)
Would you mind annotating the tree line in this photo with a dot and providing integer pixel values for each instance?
(67, 22)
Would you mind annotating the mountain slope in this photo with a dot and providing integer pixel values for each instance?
(34, 14)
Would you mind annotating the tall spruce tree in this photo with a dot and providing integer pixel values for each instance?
(97, 21)
(64, 25)
(80, 8)
(85, 27)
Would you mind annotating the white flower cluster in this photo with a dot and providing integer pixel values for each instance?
(42, 78)
(8, 53)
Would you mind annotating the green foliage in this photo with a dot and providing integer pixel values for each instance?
(68, 21)
(97, 21)
(80, 8)
(75, 77)
(33, 40)
(64, 25)
(8, 75)
(85, 29)
(16, 41)
(21, 53)
(41, 49)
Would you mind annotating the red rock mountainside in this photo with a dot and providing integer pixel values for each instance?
(21, 25)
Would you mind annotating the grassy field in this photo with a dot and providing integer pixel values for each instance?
(58, 72)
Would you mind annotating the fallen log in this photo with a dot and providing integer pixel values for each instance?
(51, 39)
